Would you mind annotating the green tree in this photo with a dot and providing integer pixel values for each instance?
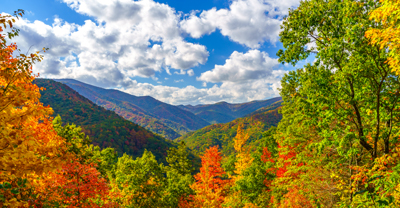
(178, 159)
(141, 181)
(105, 160)
(76, 141)
(179, 177)
(340, 111)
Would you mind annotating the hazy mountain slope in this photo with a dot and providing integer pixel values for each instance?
(159, 117)
(215, 117)
(223, 134)
(223, 112)
(273, 106)
(104, 127)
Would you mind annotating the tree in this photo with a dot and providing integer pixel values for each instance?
(177, 159)
(242, 163)
(179, 176)
(141, 182)
(105, 160)
(75, 185)
(243, 158)
(75, 140)
(340, 111)
(388, 14)
(28, 141)
(210, 186)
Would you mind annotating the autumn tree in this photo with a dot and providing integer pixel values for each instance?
(210, 186)
(28, 142)
(75, 185)
(244, 159)
(387, 36)
(242, 163)
(253, 187)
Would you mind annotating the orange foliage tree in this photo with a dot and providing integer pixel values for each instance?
(210, 187)
(75, 185)
(28, 142)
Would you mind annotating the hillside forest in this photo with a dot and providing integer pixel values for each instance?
(333, 140)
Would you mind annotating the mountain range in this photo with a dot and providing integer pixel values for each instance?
(161, 118)
(224, 112)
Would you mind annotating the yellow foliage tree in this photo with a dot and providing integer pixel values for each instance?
(243, 161)
(389, 35)
(243, 157)
(28, 145)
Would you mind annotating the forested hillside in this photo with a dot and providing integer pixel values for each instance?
(161, 118)
(104, 127)
(224, 112)
(223, 135)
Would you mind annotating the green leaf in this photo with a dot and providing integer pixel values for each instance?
(382, 202)
(7, 185)
(15, 191)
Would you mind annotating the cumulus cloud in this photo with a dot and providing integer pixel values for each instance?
(190, 72)
(241, 67)
(248, 22)
(243, 78)
(128, 39)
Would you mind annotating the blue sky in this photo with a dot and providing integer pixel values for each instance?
(180, 52)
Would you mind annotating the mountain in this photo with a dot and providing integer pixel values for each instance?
(161, 118)
(224, 112)
(223, 134)
(104, 127)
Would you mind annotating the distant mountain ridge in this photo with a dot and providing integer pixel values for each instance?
(104, 127)
(222, 135)
(224, 112)
(161, 118)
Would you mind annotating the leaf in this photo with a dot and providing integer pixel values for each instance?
(382, 202)
(15, 191)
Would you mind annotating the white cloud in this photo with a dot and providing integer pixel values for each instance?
(240, 67)
(180, 72)
(248, 22)
(244, 77)
(128, 39)
(190, 72)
